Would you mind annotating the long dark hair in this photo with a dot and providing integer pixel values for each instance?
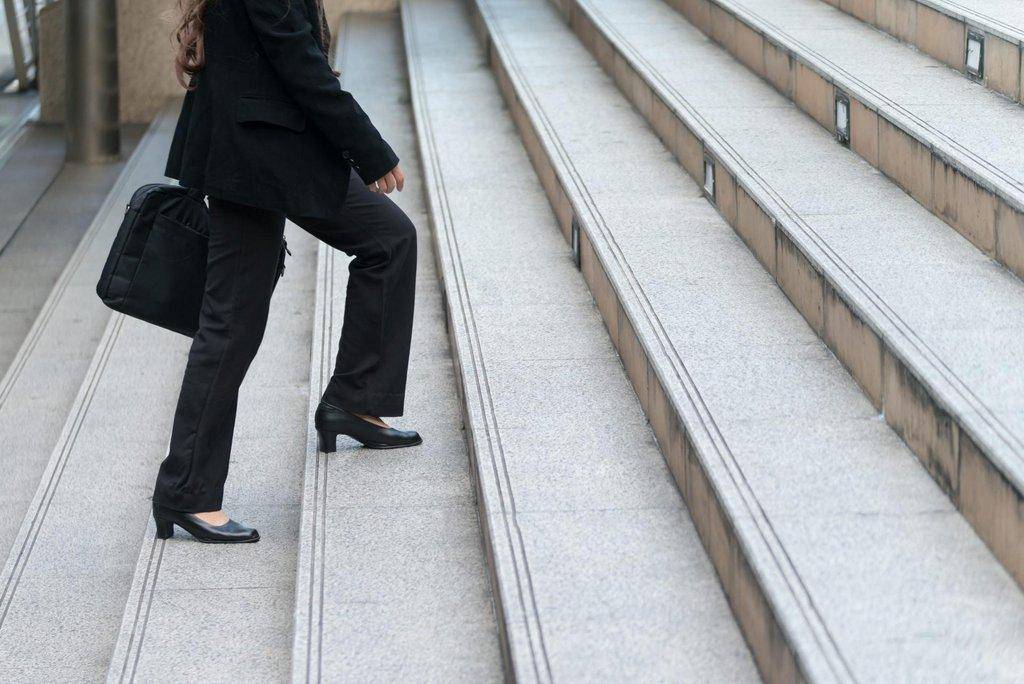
(190, 57)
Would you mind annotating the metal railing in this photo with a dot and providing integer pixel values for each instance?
(23, 30)
(22, 19)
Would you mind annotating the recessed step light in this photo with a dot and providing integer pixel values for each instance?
(709, 178)
(575, 238)
(842, 118)
(974, 59)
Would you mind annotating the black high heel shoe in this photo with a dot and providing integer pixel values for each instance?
(230, 532)
(332, 421)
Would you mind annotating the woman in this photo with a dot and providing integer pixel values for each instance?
(268, 134)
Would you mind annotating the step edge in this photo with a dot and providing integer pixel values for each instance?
(965, 15)
(984, 176)
(15, 131)
(309, 574)
(814, 660)
(904, 343)
(519, 629)
(124, 658)
(994, 34)
(989, 176)
(21, 547)
(307, 612)
(974, 435)
(103, 215)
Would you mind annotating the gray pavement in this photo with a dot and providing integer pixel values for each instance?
(598, 571)
(35, 159)
(946, 311)
(44, 228)
(392, 582)
(867, 565)
(16, 110)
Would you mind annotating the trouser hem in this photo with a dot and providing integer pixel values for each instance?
(190, 505)
(380, 405)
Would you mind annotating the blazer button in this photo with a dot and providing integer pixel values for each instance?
(344, 155)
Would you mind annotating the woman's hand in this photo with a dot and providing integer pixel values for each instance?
(391, 180)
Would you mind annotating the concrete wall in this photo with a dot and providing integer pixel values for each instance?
(144, 53)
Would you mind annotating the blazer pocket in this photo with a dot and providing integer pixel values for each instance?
(273, 112)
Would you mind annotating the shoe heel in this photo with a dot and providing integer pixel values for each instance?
(327, 441)
(164, 529)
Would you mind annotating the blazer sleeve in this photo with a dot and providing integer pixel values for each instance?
(286, 36)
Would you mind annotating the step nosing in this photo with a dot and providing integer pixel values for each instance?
(320, 604)
(830, 652)
(35, 516)
(525, 626)
(15, 131)
(1009, 32)
(491, 438)
(991, 176)
(554, 161)
(1007, 446)
(13, 373)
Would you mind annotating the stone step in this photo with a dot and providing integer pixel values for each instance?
(942, 139)
(33, 161)
(59, 619)
(40, 384)
(45, 235)
(940, 28)
(598, 573)
(391, 582)
(928, 326)
(187, 599)
(17, 110)
(841, 558)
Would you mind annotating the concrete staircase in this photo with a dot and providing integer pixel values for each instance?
(892, 291)
(803, 497)
(945, 141)
(941, 29)
(705, 396)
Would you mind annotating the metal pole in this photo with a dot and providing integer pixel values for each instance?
(93, 134)
(20, 49)
(32, 17)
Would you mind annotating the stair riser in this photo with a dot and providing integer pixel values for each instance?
(685, 454)
(986, 211)
(943, 35)
(974, 476)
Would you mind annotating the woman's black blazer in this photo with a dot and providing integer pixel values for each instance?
(267, 123)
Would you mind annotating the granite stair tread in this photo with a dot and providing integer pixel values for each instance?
(928, 325)
(391, 581)
(821, 500)
(597, 571)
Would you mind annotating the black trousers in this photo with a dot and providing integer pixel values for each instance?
(373, 355)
